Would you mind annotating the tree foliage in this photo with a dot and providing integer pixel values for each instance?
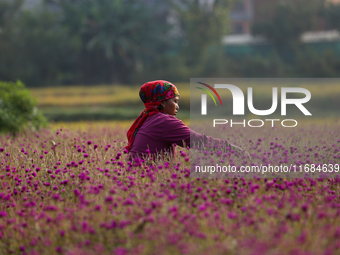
(129, 41)
(34, 46)
(331, 14)
(202, 25)
(283, 26)
(124, 34)
(287, 21)
(18, 109)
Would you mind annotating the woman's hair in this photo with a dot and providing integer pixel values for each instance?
(160, 107)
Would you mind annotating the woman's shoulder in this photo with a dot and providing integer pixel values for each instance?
(156, 119)
(163, 116)
(169, 118)
(163, 119)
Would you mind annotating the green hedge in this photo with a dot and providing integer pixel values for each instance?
(18, 109)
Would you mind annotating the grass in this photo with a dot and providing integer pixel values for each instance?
(98, 103)
(119, 95)
(100, 95)
(119, 102)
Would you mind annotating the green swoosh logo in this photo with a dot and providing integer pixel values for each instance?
(206, 91)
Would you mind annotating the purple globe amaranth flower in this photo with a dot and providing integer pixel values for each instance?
(202, 207)
(121, 251)
(76, 192)
(128, 201)
(183, 154)
(108, 199)
(232, 215)
(58, 249)
(3, 214)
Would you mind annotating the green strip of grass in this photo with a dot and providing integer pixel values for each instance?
(57, 114)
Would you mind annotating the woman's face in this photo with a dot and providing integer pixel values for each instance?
(170, 106)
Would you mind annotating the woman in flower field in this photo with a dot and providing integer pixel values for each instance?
(157, 130)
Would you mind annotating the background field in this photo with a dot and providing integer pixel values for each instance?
(103, 102)
(118, 102)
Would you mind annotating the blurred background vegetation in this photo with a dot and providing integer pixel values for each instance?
(18, 109)
(52, 45)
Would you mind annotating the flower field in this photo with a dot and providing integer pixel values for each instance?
(70, 191)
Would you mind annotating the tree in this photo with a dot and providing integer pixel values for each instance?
(34, 46)
(331, 14)
(18, 109)
(202, 25)
(8, 11)
(286, 22)
(118, 37)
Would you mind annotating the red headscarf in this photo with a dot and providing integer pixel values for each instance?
(152, 94)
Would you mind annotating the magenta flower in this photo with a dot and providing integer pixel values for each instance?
(108, 199)
(76, 192)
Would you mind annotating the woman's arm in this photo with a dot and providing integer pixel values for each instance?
(175, 131)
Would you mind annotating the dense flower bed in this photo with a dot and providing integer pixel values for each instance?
(76, 193)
